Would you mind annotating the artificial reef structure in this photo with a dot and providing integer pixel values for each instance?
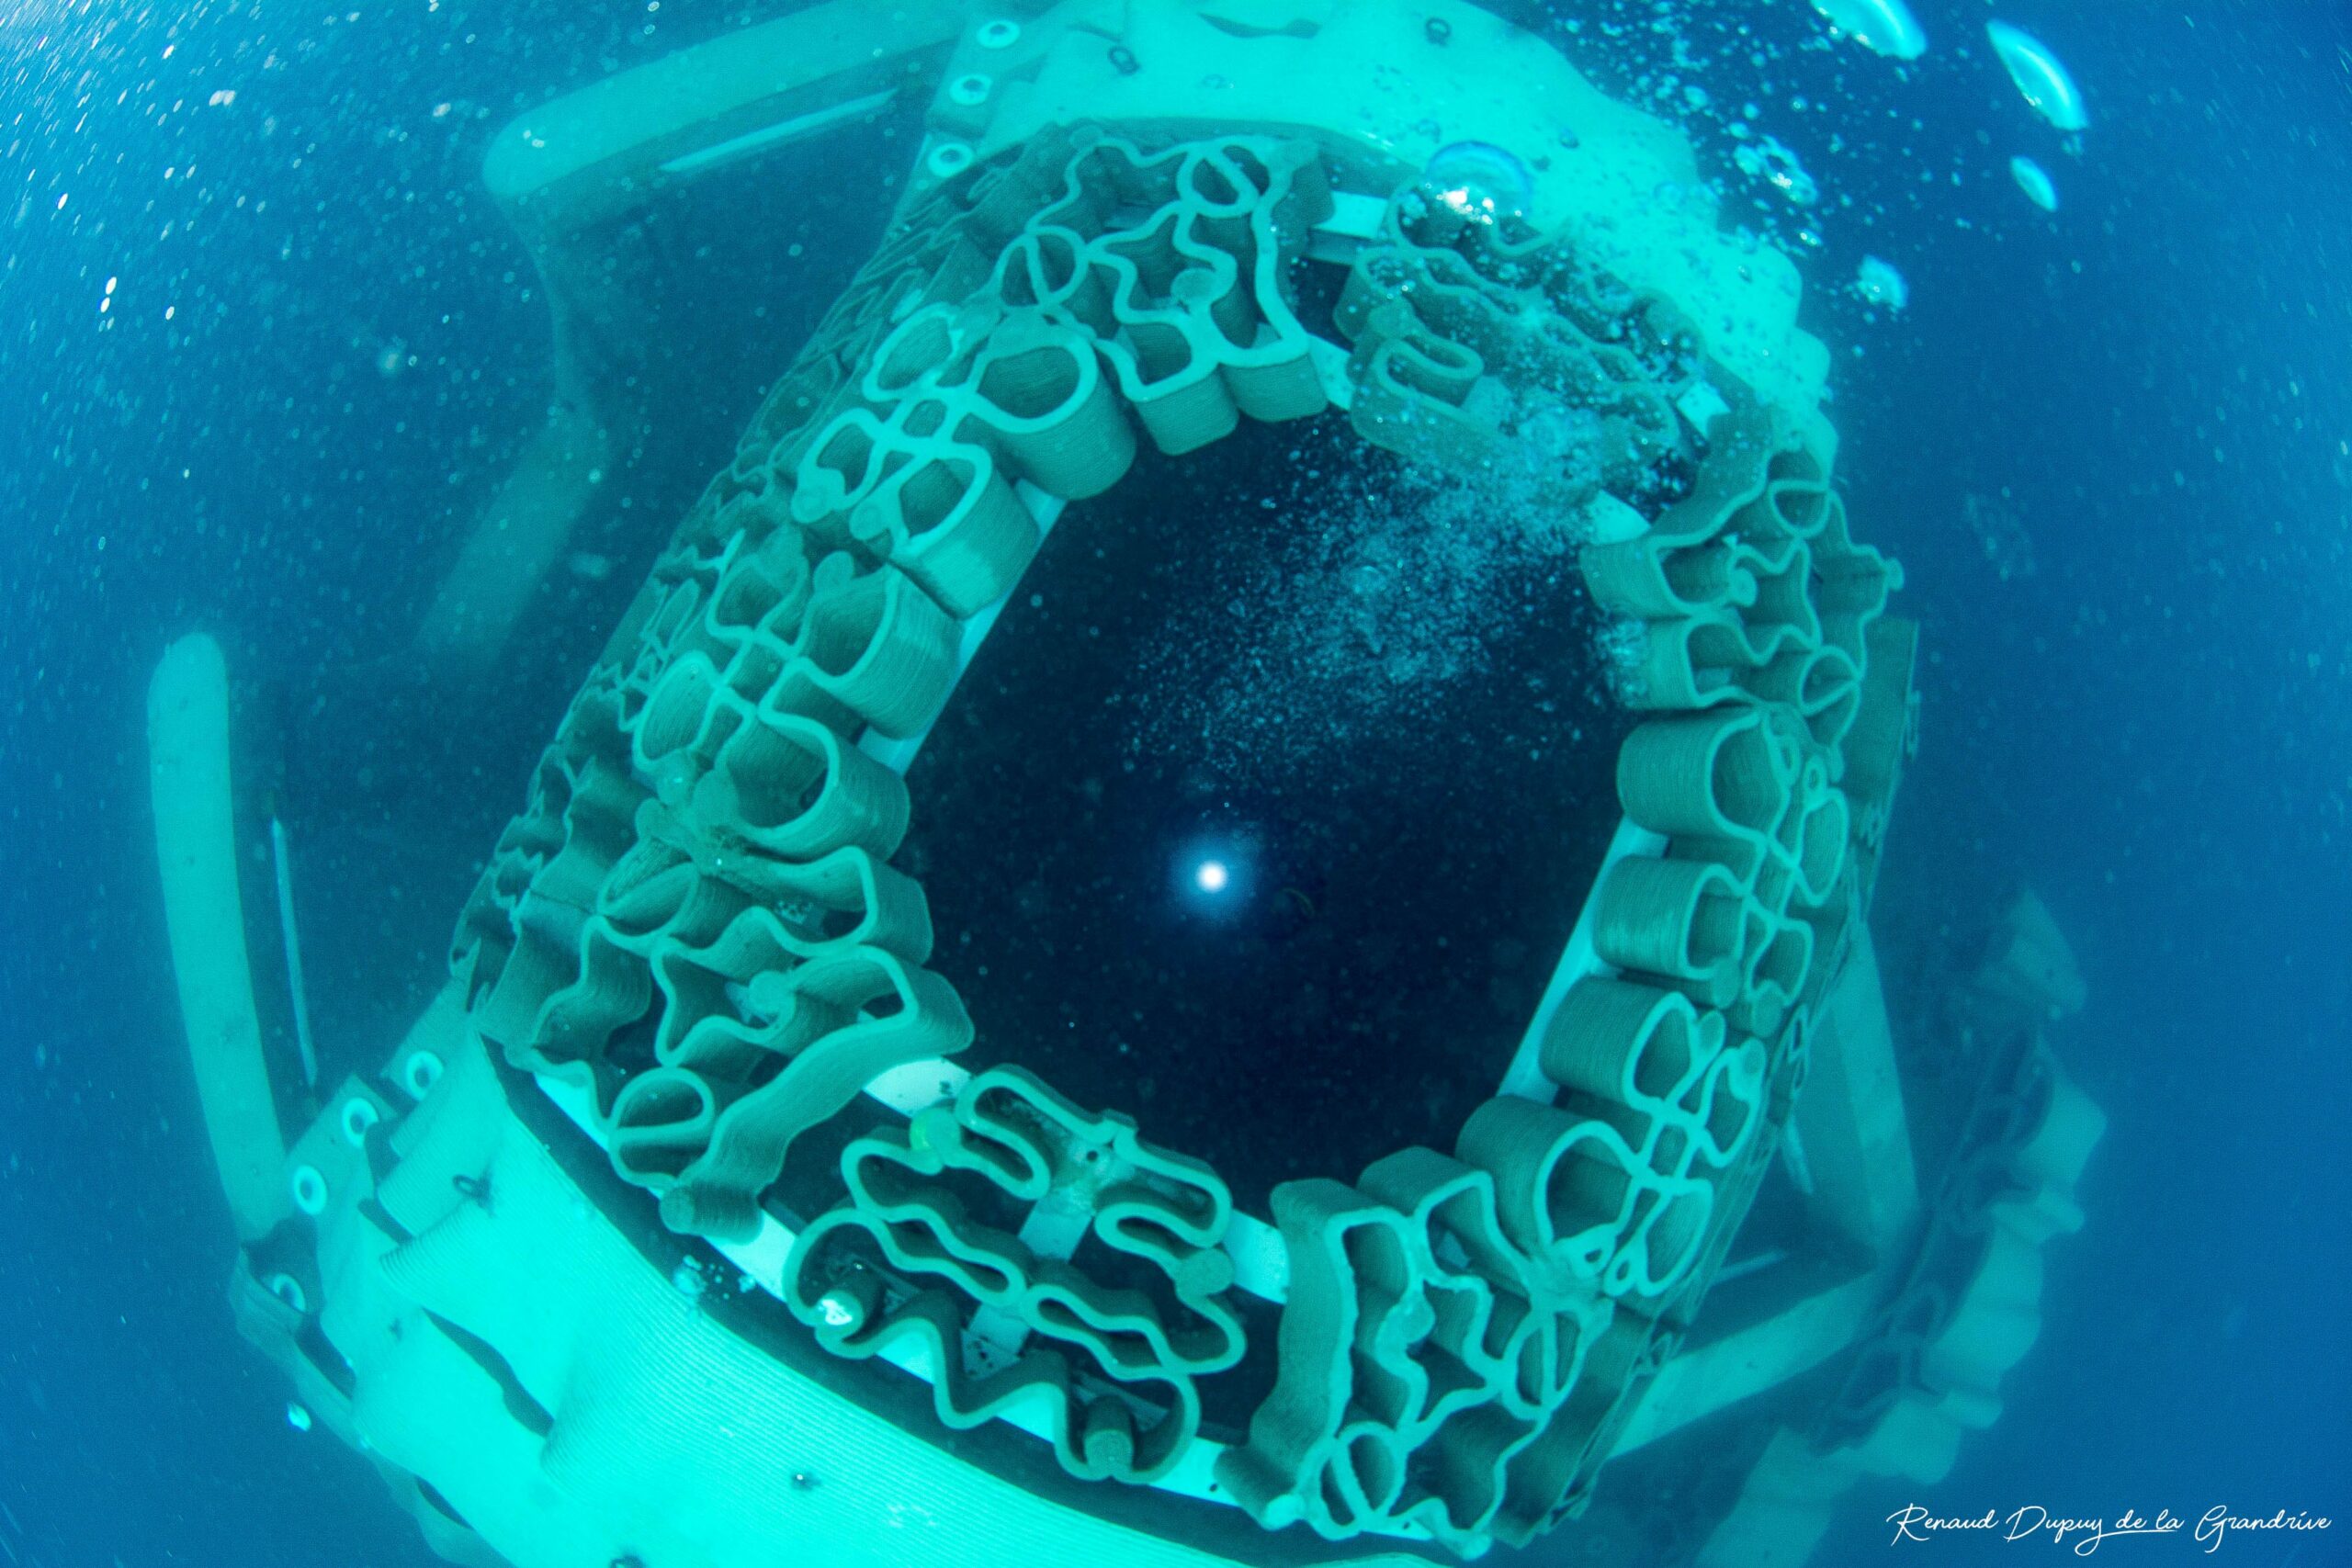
(720, 1212)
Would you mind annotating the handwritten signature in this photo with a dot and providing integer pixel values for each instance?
(2086, 1535)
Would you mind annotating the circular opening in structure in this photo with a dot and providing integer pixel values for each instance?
(1266, 811)
(949, 158)
(970, 91)
(421, 1072)
(288, 1289)
(309, 1190)
(999, 32)
(359, 1116)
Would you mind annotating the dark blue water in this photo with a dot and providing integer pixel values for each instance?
(264, 347)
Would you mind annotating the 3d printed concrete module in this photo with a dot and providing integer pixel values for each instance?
(826, 1149)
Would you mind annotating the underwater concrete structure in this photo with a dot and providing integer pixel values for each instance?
(703, 1219)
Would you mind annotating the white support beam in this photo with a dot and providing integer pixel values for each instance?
(598, 152)
(1704, 1379)
(195, 850)
(1849, 1121)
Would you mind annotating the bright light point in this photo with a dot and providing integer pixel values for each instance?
(1214, 873)
(1466, 202)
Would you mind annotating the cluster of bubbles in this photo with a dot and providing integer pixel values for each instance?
(1379, 608)
(1787, 204)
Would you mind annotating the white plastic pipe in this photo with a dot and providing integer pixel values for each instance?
(195, 850)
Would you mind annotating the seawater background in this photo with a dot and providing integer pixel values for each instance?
(321, 349)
